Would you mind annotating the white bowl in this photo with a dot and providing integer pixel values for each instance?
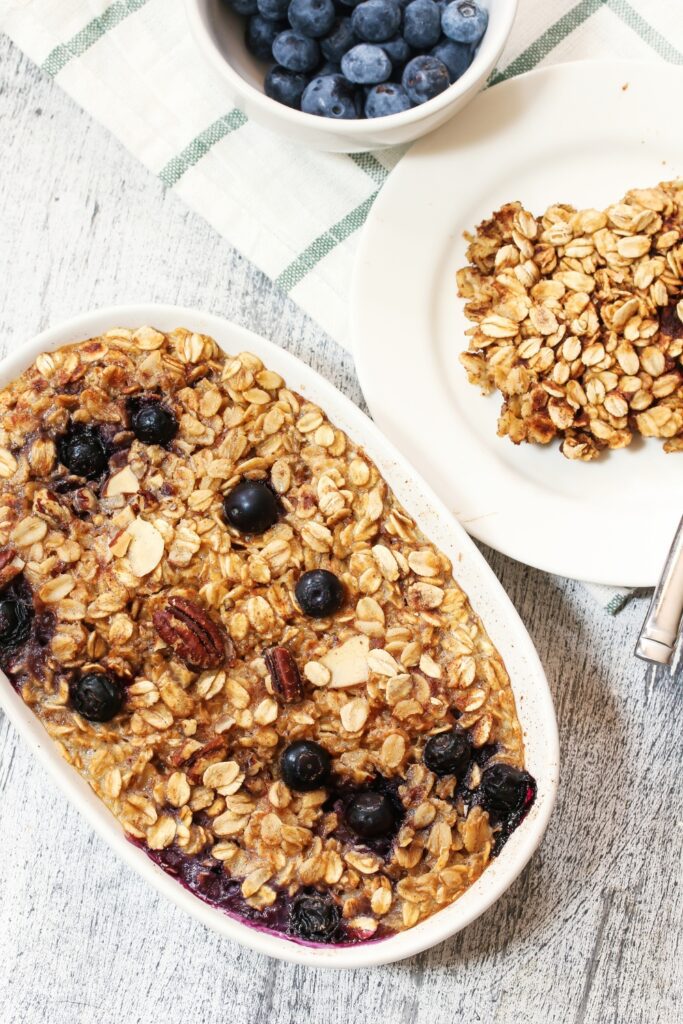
(534, 703)
(220, 35)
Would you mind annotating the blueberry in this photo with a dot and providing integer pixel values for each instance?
(305, 766)
(375, 21)
(260, 35)
(296, 52)
(398, 52)
(15, 623)
(273, 10)
(251, 507)
(330, 96)
(314, 916)
(285, 86)
(366, 64)
(327, 69)
(82, 452)
(464, 21)
(243, 7)
(370, 815)
(504, 790)
(339, 39)
(422, 24)
(350, 3)
(448, 753)
(424, 78)
(96, 696)
(385, 99)
(313, 18)
(456, 56)
(319, 593)
(153, 423)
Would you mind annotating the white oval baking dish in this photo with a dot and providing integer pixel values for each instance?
(534, 703)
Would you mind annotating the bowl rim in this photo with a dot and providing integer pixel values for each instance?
(499, 874)
(359, 127)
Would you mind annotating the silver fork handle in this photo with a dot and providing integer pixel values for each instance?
(659, 634)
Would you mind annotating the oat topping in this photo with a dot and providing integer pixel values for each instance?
(187, 667)
(579, 321)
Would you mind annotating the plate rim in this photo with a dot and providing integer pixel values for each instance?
(532, 693)
(484, 528)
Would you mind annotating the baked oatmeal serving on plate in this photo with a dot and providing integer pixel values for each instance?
(233, 631)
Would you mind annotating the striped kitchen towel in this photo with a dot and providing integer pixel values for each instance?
(293, 212)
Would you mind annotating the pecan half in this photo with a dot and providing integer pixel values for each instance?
(284, 673)
(194, 637)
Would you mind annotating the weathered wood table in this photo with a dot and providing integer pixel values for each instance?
(592, 930)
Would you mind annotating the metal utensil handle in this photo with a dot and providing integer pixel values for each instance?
(658, 636)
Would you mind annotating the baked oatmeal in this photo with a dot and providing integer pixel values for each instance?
(579, 321)
(233, 631)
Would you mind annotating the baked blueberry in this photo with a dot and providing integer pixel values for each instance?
(153, 423)
(385, 99)
(371, 815)
(424, 78)
(296, 52)
(260, 35)
(313, 18)
(96, 696)
(366, 64)
(422, 24)
(319, 593)
(504, 789)
(464, 21)
(375, 21)
(285, 86)
(330, 96)
(314, 916)
(251, 507)
(82, 452)
(305, 765)
(15, 623)
(448, 753)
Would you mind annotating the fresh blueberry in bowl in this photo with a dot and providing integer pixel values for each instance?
(285, 86)
(448, 753)
(371, 815)
(314, 917)
(153, 423)
(83, 453)
(422, 24)
(319, 593)
(424, 78)
(260, 35)
(251, 507)
(243, 7)
(295, 51)
(375, 21)
(313, 18)
(96, 696)
(366, 64)
(464, 21)
(331, 96)
(399, 53)
(305, 766)
(456, 56)
(385, 99)
(273, 10)
(338, 40)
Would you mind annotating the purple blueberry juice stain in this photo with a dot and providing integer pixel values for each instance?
(205, 878)
(24, 654)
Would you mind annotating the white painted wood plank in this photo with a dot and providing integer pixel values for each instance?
(591, 933)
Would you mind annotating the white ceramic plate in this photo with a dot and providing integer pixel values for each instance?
(534, 703)
(579, 133)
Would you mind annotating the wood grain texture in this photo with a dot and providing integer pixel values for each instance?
(591, 932)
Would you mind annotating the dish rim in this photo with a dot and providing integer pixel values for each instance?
(532, 694)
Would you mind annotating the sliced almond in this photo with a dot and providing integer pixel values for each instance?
(348, 663)
(146, 547)
(123, 482)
